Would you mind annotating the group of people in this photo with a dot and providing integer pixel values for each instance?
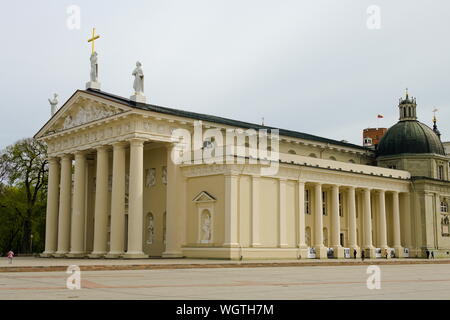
(387, 254)
(430, 254)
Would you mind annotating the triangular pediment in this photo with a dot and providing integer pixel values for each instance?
(204, 197)
(79, 110)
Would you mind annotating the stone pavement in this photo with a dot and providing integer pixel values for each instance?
(35, 264)
(413, 281)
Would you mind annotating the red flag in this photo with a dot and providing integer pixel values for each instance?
(380, 116)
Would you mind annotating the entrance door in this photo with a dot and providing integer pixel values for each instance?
(341, 237)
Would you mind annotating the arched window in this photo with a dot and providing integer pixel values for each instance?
(444, 206)
(332, 158)
(150, 228)
(308, 236)
(312, 155)
(351, 161)
(292, 152)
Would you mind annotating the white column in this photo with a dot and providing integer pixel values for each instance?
(351, 203)
(77, 248)
(382, 219)
(255, 211)
(101, 203)
(231, 210)
(136, 210)
(336, 223)
(321, 251)
(303, 248)
(176, 207)
(65, 206)
(51, 220)
(282, 236)
(367, 231)
(406, 224)
(396, 224)
(117, 234)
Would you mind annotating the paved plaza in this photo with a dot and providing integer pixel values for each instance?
(413, 281)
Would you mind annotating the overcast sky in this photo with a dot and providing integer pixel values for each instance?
(311, 66)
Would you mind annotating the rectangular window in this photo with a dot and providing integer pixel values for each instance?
(324, 203)
(307, 207)
(440, 172)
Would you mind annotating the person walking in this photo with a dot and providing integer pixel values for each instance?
(354, 253)
(10, 256)
(428, 254)
(432, 254)
(386, 251)
(362, 255)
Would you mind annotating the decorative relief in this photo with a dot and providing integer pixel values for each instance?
(87, 114)
(150, 177)
(164, 175)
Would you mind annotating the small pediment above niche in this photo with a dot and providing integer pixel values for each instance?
(81, 114)
(204, 197)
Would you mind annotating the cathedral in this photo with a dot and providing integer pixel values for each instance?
(128, 180)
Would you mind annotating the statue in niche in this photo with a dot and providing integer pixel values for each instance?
(151, 228)
(206, 227)
(445, 222)
(150, 177)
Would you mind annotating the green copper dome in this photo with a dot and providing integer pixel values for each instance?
(410, 136)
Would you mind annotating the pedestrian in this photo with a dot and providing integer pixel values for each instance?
(432, 254)
(354, 253)
(362, 255)
(387, 253)
(10, 256)
(428, 254)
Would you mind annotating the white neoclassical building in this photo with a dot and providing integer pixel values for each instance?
(130, 180)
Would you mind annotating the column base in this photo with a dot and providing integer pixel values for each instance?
(60, 254)
(114, 255)
(97, 255)
(135, 255)
(231, 245)
(283, 246)
(321, 252)
(338, 252)
(303, 252)
(76, 255)
(257, 245)
(398, 252)
(172, 255)
(47, 254)
(370, 252)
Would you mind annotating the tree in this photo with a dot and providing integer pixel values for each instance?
(23, 175)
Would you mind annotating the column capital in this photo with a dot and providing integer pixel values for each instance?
(137, 141)
(80, 153)
(119, 144)
(66, 157)
(301, 182)
(53, 160)
(103, 147)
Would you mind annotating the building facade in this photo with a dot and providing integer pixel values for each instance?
(126, 181)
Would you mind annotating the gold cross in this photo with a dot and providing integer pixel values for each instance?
(94, 37)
